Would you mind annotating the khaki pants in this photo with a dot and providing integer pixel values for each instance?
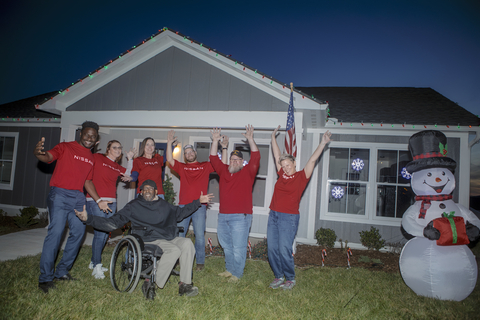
(173, 250)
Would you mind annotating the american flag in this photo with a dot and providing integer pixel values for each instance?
(290, 140)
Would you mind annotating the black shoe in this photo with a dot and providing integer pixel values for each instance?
(66, 277)
(148, 290)
(45, 286)
(187, 290)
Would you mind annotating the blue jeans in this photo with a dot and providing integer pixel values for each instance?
(198, 219)
(99, 237)
(281, 231)
(61, 204)
(232, 233)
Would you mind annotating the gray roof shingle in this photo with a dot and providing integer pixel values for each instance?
(25, 108)
(395, 105)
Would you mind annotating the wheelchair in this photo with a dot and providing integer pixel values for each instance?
(131, 260)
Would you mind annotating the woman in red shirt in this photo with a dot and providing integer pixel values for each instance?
(148, 165)
(106, 171)
(284, 215)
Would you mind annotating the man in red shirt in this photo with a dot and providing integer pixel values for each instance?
(194, 178)
(235, 214)
(74, 166)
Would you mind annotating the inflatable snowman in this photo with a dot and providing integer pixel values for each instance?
(436, 262)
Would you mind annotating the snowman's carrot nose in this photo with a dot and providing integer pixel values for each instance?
(438, 179)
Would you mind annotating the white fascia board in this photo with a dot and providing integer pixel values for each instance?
(267, 120)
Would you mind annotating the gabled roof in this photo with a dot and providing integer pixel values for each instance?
(138, 57)
(392, 105)
(25, 109)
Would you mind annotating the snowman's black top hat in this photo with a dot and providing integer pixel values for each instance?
(429, 150)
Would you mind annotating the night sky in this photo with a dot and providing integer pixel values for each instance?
(47, 45)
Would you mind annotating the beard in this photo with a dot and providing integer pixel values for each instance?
(191, 160)
(234, 169)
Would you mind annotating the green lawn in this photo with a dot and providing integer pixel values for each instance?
(321, 293)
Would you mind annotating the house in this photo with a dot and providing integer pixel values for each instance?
(24, 181)
(170, 81)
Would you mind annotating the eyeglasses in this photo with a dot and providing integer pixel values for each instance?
(117, 148)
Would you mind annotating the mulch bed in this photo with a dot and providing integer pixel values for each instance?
(307, 256)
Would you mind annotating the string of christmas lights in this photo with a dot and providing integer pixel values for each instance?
(246, 68)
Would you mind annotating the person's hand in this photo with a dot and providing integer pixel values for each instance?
(82, 215)
(39, 147)
(171, 136)
(224, 142)
(207, 198)
(249, 132)
(125, 178)
(131, 153)
(103, 205)
(274, 133)
(216, 134)
(326, 137)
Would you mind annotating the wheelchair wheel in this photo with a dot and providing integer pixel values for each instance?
(126, 265)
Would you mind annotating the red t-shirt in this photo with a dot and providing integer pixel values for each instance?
(105, 175)
(236, 188)
(288, 192)
(149, 169)
(193, 179)
(74, 165)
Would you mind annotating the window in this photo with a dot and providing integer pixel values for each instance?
(358, 189)
(8, 150)
(394, 193)
(347, 180)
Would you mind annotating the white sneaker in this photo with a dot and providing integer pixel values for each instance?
(91, 266)
(98, 272)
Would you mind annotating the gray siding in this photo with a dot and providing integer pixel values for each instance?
(176, 80)
(351, 231)
(32, 177)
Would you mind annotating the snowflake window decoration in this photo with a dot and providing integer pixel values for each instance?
(337, 192)
(406, 174)
(358, 164)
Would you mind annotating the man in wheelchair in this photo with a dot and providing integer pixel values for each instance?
(155, 221)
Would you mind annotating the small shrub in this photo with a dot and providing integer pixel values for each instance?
(260, 250)
(25, 219)
(326, 237)
(364, 259)
(3, 215)
(395, 247)
(43, 218)
(372, 239)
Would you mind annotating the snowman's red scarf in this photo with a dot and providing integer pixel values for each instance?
(428, 199)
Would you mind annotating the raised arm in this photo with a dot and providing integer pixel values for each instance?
(276, 149)
(313, 159)
(224, 144)
(170, 140)
(42, 155)
(126, 176)
(216, 137)
(249, 135)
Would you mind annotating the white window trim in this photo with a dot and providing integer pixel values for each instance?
(270, 177)
(370, 201)
(4, 186)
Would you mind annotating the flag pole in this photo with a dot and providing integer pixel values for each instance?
(291, 86)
